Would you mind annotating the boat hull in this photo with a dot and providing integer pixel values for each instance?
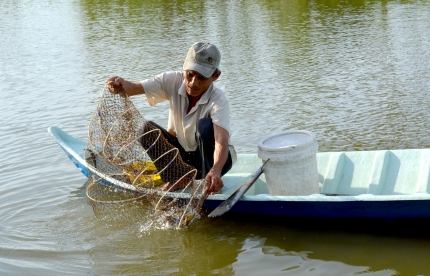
(334, 210)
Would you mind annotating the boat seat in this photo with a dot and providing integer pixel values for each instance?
(383, 172)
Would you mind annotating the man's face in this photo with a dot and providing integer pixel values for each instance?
(196, 84)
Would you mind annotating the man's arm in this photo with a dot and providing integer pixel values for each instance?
(131, 88)
(213, 178)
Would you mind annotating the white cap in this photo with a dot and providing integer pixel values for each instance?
(203, 58)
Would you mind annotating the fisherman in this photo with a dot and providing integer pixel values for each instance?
(199, 114)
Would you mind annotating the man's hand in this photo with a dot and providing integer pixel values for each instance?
(115, 85)
(118, 85)
(214, 183)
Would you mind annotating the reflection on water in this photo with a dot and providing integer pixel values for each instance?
(354, 72)
(280, 262)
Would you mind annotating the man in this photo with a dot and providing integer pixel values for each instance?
(199, 115)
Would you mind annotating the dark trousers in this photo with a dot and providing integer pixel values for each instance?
(202, 159)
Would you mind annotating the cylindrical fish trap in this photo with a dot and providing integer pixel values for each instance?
(123, 146)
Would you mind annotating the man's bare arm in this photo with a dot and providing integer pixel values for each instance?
(213, 178)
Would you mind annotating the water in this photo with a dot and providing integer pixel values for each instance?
(354, 72)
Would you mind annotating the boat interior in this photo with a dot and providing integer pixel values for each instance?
(381, 172)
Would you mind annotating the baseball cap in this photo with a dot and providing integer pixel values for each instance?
(203, 58)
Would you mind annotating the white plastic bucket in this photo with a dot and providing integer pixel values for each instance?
(292, 168)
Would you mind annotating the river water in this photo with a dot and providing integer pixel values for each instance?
(354, 72)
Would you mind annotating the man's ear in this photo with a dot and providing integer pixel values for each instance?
(217, 75)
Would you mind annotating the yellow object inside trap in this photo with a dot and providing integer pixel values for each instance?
(143, 174)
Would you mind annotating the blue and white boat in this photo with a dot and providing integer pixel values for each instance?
(381, 184)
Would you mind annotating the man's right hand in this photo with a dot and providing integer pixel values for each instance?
(115, 85)
(118, 85)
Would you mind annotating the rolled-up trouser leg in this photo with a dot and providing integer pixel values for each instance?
(158, 145)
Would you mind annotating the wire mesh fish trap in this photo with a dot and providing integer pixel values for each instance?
(111, 204)
(130, 152)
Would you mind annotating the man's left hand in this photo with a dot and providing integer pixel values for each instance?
(214, 183)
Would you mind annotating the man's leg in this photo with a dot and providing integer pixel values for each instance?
(206, 140)
(170, 164)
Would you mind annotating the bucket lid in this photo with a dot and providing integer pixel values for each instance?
(287, 141)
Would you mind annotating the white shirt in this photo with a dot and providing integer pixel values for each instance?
(170, 86)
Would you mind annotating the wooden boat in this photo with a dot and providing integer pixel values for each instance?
(382, 184)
